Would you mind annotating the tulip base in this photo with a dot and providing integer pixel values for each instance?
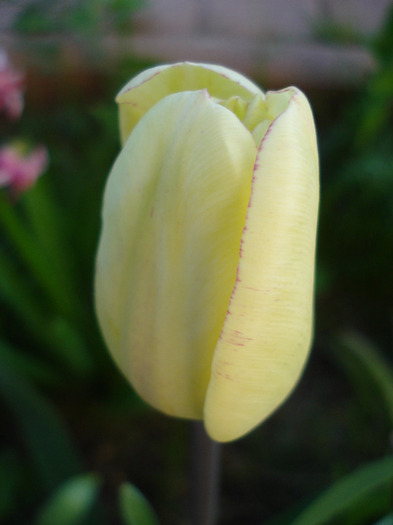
(205, 475)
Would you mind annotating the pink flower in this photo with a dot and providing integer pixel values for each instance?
(18, 171)
(11, 88)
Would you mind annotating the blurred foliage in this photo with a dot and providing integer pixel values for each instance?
(52, 358)
(354, 499)
(136, 510)
(83, 16)
(72, 502)
(331, 31)
(356, 220)
(73, 430)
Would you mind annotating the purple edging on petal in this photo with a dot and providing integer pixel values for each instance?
(256, 166)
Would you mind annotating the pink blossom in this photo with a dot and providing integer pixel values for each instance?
(19, 172)
(11, 86)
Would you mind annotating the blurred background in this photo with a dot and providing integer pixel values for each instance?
(72, 432)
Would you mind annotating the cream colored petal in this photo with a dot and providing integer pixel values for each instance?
(267, 331)
(174, 212)
(147, 88)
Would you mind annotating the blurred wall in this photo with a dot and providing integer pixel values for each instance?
(313, 43)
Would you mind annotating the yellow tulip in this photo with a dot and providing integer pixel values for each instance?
(205, 267)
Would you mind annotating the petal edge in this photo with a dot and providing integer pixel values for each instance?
(267, 331)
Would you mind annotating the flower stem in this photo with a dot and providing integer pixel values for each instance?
(205, 474)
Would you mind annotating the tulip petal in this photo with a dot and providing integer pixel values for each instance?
(174, 211)
(267, 331)
(150, 86)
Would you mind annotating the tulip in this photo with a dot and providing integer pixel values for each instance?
(205, 266)
(11, 88)
(20, 169)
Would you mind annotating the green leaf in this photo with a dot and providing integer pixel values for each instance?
(347, 493)
(11, 480)
(364, 363)
(28, 365)
(134, 507)
(48, 223)
(59, 335)
(70, 347)
(35, 259)
(18, 293)
(46, 437)
(386, 520)
(72, 502)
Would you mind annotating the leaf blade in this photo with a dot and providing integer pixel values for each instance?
(134, 507)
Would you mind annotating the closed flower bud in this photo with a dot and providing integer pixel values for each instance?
(205, 266)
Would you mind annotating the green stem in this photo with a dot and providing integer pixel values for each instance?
(205, 474)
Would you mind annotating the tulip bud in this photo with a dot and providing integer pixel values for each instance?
(205, 266)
